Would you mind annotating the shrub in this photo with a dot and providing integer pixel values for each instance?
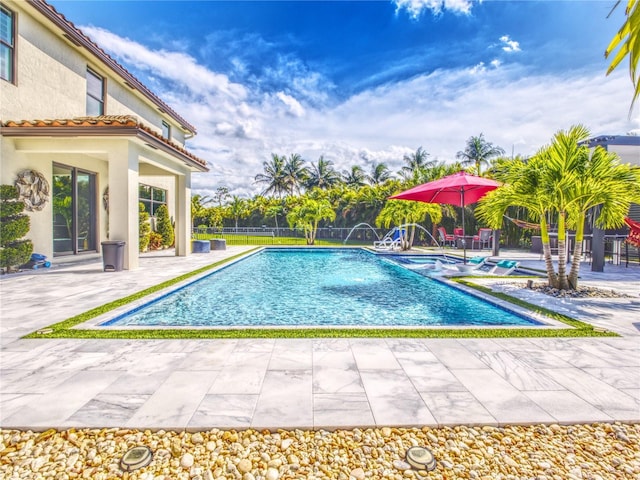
(155, 241)
(164, 227)
(144, 228)
(14, 251)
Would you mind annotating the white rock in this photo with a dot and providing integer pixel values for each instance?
(400, 465)
(187, 460)
(197, 438)
(357, 474)
(272, 474)
(244, 465)
(286, 443)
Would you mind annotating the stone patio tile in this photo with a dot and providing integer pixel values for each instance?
(292, 354)
(516, 372)
(11, 403)
(224, 411)
(108, 410)
(455, 408)
(174, 402)
(620, 377)
(54, 407)
(501, 399)
(245, 379)
(394, 400)
(32, 381)
(453, 354)
(567, 407)
(336, 380)
(602, 396)
(368, 358)
(341, 410)
(286, 400)
(436, 378)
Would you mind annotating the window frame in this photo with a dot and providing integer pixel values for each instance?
(11, 47)
(166, 128)
(103, 100)
(150, 203)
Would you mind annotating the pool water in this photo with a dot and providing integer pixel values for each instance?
(317, 287)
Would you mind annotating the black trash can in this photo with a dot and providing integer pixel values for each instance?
(113, 255)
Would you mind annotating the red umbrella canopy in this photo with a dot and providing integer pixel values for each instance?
(459, 189)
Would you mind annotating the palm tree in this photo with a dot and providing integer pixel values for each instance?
(274, 176)
(295, 173)
(238, 208)
(631, 46)
(565, 179)
(402, 212)
(322, 175)
(308, 214)
(355, 177)
(416, 164)
(478, 151)
(379, 174)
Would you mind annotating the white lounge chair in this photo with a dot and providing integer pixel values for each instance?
(504, 267)
(390, 241)
(472, 264)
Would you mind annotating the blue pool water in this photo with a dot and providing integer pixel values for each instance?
(317, 287)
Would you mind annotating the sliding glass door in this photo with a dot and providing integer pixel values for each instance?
(74, 210)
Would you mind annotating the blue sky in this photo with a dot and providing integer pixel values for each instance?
(363, 82)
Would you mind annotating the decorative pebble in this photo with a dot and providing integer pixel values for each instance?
(552, 452)
(187, 460)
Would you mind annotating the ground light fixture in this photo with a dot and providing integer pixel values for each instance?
(136, 458)
(421, 458)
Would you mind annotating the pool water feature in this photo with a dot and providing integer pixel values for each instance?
(317, 287)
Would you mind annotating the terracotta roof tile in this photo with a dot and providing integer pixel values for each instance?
(119, 121)
(78, 36)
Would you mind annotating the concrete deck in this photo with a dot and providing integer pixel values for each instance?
(305, 383)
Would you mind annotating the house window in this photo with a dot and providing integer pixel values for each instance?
(7, 45)
(95, 94)
(152, 198)
(166, 130)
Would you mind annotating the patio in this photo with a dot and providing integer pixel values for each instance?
(305, 383)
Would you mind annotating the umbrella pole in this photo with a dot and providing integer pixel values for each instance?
(464, 234)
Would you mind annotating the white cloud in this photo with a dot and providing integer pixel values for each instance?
(509, 45)
(240, 126)
(294, 106)
(495, 63)
(415, 8)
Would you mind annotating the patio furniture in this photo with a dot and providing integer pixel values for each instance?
(504, 267)
(446, 238)
(483, 238)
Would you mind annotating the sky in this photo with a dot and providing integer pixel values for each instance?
(362, 82)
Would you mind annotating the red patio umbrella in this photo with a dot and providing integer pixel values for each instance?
(460, 189)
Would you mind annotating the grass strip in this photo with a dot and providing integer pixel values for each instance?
(65, 328)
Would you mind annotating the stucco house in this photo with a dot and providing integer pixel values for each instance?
(84, 140)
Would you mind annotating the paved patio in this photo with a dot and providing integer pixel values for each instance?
(305, 383)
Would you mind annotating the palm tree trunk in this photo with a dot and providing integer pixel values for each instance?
(563, 281)
(546, 248)
(577, 253)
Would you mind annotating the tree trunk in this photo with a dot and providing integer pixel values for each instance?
(546, 248)
(563, 281)
(577, 253)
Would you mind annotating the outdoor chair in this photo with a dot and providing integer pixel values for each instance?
(504, 267)
(483, 238)
(445, 238)
(391, 240)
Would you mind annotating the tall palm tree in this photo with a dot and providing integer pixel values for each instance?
(628, 39)
(379, 174)
(274, 176)
(355, 177)
(416, 165)
(296, 173)
(322, 175)
(478, 151)
(565, 179)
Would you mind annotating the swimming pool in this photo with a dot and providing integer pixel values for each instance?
(317, 287)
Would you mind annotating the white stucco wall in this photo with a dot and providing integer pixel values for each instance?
(628, 153)
(51, 80)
